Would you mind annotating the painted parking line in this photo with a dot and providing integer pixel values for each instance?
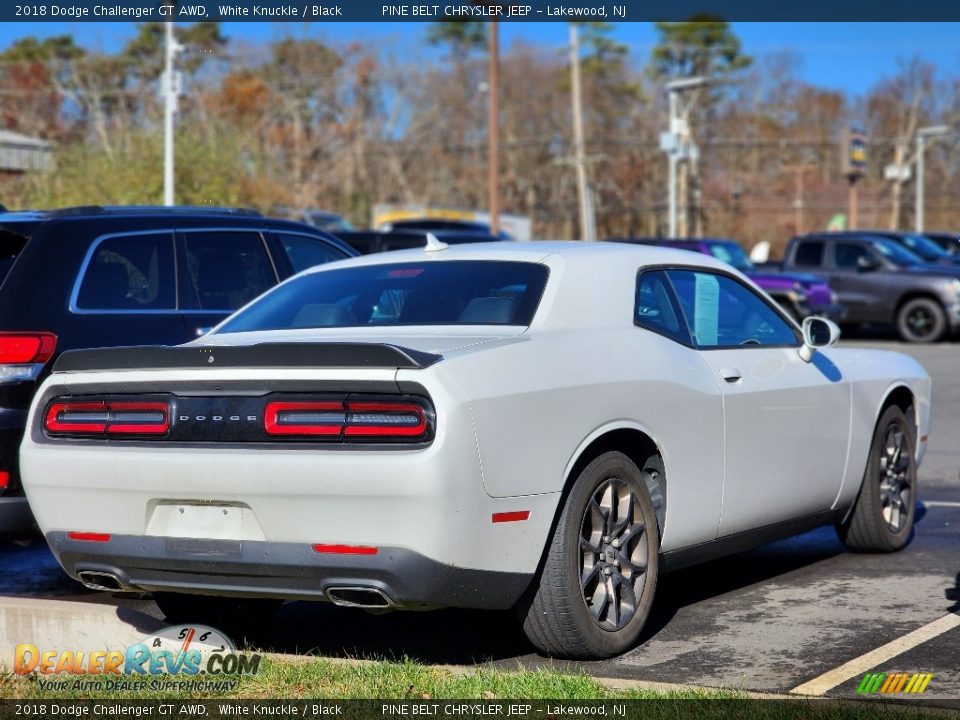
(940, 503)
(858, 666)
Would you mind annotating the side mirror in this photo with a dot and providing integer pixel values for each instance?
(817, 333)
(867, 264)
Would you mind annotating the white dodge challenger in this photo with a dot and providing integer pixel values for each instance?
(545, 426)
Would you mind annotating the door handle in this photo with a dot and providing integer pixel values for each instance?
(731, 375)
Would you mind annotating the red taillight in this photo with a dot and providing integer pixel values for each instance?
(4, 479)
(110, 417)
(385, 419)
(26, 348)
(345, 549)
(303, 418)
(381, 419)
(89, 536)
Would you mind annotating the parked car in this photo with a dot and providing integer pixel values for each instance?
(367, 242)
(800, 294)
(434, 224)
(97, 277)
(545, 426)
(949, 241)
(882, 282)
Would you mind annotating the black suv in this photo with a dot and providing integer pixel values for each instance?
(99, 277)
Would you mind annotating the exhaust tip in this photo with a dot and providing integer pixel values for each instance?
(359, 597)
(102, 581)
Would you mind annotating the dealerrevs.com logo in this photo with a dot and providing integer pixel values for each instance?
(180, 651)
(893, 683)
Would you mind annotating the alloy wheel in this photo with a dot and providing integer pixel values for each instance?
(896, 488)
(613, 554)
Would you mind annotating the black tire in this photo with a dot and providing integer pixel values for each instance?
(226, 613)
(921, 319)
(882, 517)
(555, 612)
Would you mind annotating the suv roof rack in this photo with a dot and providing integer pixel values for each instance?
(159, 209)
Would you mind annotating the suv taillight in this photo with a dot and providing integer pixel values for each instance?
(383, 419)
(23, 354)
(107, 418)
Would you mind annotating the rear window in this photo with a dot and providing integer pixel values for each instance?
(809, 254)
(433, 293)
(130, 273)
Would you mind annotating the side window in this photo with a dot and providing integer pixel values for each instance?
(847, 255)
(654, 309)
(305, 251)
(226, 269)
(134, 272)
(722, 313)
(809, 253)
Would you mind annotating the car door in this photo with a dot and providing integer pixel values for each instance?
(686, 412)
(856, 276)
(786, 421)
(219, 271)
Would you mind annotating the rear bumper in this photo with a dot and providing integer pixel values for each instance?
(285, 570)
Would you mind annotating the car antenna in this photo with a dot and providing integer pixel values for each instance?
(433, 244)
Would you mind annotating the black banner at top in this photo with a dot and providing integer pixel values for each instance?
(485, 10)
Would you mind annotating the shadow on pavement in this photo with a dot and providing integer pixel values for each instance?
(467, 637)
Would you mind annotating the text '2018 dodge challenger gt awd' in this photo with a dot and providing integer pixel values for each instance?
(545, 426)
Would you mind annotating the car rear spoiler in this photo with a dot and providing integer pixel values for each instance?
(265, 355)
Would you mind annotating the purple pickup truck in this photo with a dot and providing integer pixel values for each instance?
(799, 294)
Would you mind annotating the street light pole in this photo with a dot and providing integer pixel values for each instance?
(675, 142)
(170, 92)
(922, 135)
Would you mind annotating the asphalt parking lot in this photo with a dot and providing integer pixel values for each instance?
(801, 614)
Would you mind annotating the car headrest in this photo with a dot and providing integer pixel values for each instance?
(489, 311)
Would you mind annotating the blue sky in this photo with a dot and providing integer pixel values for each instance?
(844, 56)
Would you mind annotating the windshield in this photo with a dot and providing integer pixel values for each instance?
(732, 254)
(897, 254)
(452, 292)
(923, 246)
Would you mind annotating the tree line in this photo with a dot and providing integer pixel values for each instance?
(306, 122)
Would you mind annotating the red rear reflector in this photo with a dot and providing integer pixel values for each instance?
(346, 549)
(89, 536)
(515, 516)
(385, 419)
(26, 348)
(112, 418)
(303, 418)
(4, 479)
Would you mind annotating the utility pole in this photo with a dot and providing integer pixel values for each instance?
(922, 135)
(799, 172)
(493, 128)
(171, 91)
(587, 226)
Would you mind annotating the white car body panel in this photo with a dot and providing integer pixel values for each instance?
(516, 408)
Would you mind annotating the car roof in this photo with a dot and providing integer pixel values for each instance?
(124, 210)
(538, 251)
